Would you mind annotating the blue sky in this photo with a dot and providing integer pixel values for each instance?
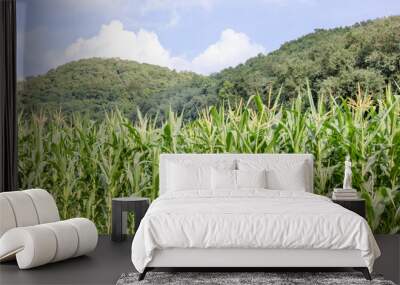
(204, 36)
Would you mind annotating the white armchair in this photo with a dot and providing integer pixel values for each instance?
(31, 230)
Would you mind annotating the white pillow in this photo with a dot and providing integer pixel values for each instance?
(292, 179)
(223, 179)
(227, 179)
(282, 174)
(188, 177)
(251, 178)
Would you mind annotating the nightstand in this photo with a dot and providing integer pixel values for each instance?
(356, 205)
(120, 207)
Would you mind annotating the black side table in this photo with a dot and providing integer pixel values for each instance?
(120, 207)
(356, 205)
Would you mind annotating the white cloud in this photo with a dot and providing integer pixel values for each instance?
(114, 41)
(231, 49)
(144, 46)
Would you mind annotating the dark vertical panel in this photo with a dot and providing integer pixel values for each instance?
(8, 116)
(388, 264)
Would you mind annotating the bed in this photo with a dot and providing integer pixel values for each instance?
(245, 211)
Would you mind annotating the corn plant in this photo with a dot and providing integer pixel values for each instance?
(86, 163)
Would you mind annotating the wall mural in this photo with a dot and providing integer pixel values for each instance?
(104, 87)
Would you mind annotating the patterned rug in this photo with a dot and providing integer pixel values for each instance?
(269, 278)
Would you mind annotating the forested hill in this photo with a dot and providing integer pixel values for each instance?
(333, 60)
(94, 85)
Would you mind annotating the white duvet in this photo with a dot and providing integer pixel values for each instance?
(252, 218)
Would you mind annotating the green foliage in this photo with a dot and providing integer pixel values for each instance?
(94, 86)
(85, 163)
(334, 61)
(101, 146)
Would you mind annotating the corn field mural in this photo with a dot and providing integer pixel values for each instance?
(84, 163)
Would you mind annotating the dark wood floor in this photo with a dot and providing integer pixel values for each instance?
(103, 266)
(110, 259)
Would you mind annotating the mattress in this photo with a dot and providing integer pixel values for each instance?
(250, 219)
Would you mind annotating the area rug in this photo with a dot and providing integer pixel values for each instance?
(269, 278)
